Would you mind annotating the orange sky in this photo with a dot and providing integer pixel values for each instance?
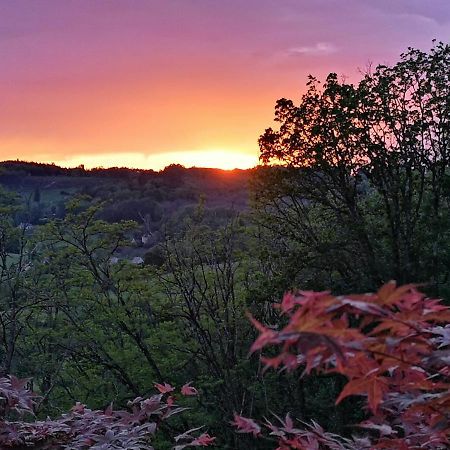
(146, 83)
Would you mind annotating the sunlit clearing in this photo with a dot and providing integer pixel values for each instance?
(220, 159)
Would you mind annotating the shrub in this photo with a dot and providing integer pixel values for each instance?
(394, 349)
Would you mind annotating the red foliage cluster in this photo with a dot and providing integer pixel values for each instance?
(394, 348)
(83, 428)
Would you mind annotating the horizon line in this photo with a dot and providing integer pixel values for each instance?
(93, 168)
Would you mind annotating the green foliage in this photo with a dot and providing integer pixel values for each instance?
(362, 192)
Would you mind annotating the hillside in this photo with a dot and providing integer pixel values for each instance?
(156, 201)
(128, 194)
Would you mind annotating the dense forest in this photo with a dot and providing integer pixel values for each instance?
(119, 283)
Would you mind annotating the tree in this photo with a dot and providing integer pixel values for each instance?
(20, 295)
(363, 187)
(100, 317)
(203, 280)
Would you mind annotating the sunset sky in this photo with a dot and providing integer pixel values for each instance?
(146, 83)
